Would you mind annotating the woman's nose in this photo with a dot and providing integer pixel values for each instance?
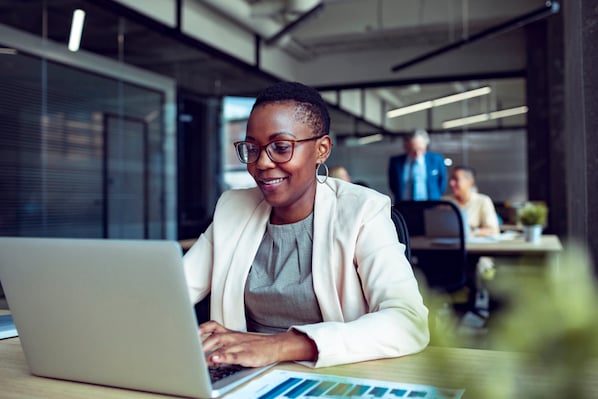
(263, 160)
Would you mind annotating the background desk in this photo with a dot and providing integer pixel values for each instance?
(473, 369)
(520, 252)
(549, 244)
(518, 246)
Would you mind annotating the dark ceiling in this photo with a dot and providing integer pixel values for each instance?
(119, 33)
(115, 32)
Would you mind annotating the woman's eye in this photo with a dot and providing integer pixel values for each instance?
(281, 146)
(251, 148)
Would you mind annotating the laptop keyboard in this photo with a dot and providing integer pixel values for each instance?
(222, 371)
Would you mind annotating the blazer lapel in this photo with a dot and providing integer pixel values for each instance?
(245, 249)
(323, 264)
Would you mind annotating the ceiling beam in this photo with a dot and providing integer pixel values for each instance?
(551, 7)
(293, 25)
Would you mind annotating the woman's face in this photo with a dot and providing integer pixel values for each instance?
(288, 187)
(460, 183)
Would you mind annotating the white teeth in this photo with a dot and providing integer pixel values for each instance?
(273, 181)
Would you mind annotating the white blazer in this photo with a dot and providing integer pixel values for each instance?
(365, 287)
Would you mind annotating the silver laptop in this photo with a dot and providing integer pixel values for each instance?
(108, 312)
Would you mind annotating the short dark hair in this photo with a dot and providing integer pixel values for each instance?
(467, 169)
(311, 107)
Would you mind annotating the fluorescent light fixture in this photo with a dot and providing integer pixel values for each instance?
(482, 91)
(76, 29)
(508, 112)
(370, 139)
(465, 121)
(357, 141)
(393, 113)
(7, 51)
(469, 120)
(453, 98)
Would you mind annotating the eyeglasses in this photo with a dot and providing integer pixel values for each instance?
(279, 151)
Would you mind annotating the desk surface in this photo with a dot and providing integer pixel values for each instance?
(475, 370)
(518, 246)
(548, 243)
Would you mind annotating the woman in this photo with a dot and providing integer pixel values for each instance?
(301, 267)
(479, 208)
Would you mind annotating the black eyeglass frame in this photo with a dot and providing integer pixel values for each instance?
(265, 147)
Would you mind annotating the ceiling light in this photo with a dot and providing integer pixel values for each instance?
(357, 141)
(484, 117)
(7, 51)
(453, 98)
(462, 96)
(370, 139)
(393, 113)
(76, 30)
(465, 121)
(508, 112)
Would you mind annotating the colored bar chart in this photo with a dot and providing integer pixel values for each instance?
(283, 384)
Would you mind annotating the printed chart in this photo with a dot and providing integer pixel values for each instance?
(295, 385)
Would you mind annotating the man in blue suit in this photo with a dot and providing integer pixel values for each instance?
(418, 174)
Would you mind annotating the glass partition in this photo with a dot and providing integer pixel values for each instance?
(81, 155)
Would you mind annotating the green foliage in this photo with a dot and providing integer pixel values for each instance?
(549, 330)
(533, 213)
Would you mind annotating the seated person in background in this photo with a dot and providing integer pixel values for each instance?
(479, 208)
(339, 172)
(302, 267)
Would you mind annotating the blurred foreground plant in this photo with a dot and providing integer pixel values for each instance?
(550, 330)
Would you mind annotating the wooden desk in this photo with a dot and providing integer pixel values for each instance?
(545, 253)
(518, 246)
(478, 371)
(548, 244)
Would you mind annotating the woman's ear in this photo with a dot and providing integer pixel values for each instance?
(324, 148)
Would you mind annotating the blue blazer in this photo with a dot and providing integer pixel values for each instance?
(436, 179)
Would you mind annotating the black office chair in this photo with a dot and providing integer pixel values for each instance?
(439, 257)
(440, 254)
(402, 230)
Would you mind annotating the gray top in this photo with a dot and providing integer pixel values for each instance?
(279, 291)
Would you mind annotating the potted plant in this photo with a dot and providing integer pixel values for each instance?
(532, 217)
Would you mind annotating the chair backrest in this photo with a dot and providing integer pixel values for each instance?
(437, 238)
(402, 230)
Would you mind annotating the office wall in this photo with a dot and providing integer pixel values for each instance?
(83, 154)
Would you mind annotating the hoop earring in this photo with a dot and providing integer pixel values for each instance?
(325, 175)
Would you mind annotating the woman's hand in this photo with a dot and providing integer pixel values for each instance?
(222, 345)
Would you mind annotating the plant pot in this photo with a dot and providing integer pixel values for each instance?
(532, 233)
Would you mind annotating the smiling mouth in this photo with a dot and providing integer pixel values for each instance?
(272, 181)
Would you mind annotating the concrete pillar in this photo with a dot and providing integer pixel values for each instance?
(581, 122)
(545, 119)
